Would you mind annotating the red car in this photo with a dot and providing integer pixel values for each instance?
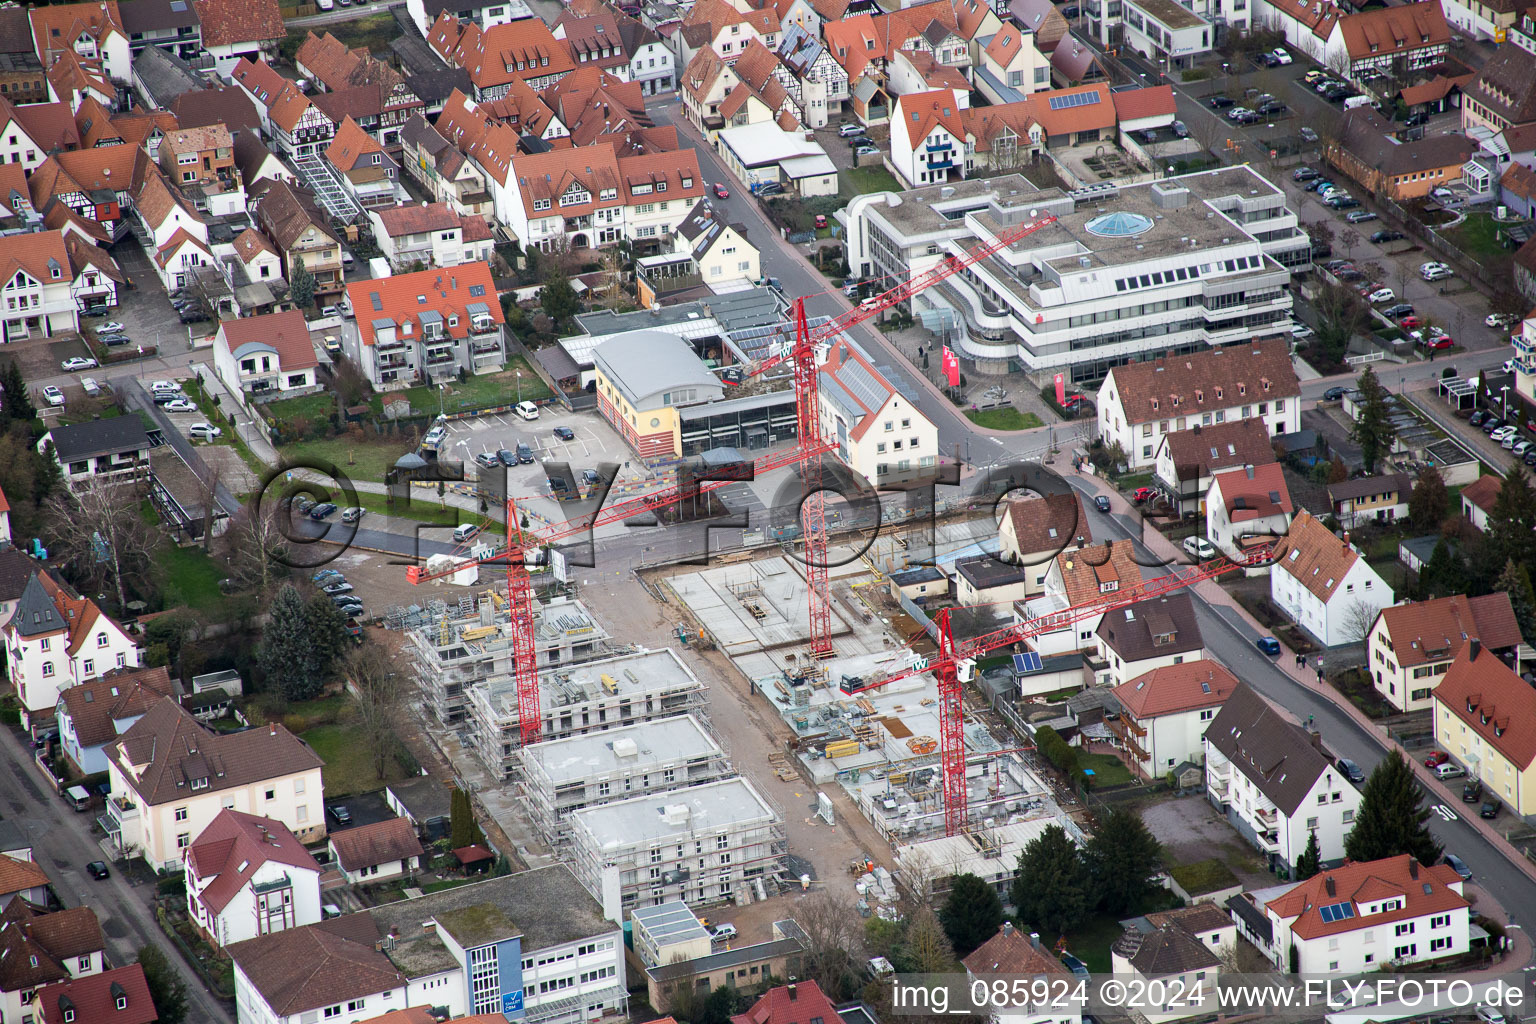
(821, 220)
(1438, 341)
(1409, 323)
(1071, 401)
(1142, 494)
(1436, 759)
(720, 191)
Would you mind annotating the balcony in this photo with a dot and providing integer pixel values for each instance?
(1524, 345)
(122, 812)
(395, 344)
(1269, 842)
(937, 147)
(1267, 817)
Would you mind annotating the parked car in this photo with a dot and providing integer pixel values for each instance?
(1219, 102)
(1200, 548)
(1341, 202)
(110, 325)
(524, 453)
(1491, 424)
(1350, 275)
(337, 588)
(1475, 420)
(771, 188)
(1142, 494)
(1439, 275)
(97, 869)
(52, 395)
(722, 932)
(1180, 130)
(157, 386)
(866, 151)
(1459, 866)
(1101, 503)
(1382, 295)
(1386, 236)
(340, 813)
(193, 316)
(203, 431)
(1304, 174)
(323, 511)
(179, 405)
(1472, 792)
(1490, 809)
(1351, 770)
(860, 140)
(721, 192)
(1410, 322)
(1400, 309)
(847, 130)
(1314, 76)
(1247, 117)
(1300, 330)
(353, 514)
(487, 460)
(1306, 134)
(1317, 185)
(821, 221)
(327, 574)
(1360, 216)
(1498, 320)
(565, 433)
(1436, 758)
(1449, 771)
(113, 340)
(74, 363)
(1280, 55)
(1415, 119)
(436, 436)
(303, 505)
(1268, 645)
(1271, 108)
(526, 410)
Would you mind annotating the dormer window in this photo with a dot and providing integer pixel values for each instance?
(453, 320)
(122, 1002)
(200, 783)
(1199, 395)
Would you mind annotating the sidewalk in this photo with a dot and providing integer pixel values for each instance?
(1217, 598)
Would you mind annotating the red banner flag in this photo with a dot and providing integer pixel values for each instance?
(951, 365)
(1061, 390)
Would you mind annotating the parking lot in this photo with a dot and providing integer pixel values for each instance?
(143, 309)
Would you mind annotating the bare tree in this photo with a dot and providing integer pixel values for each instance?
(914, 882)
(255, 544)
(377, 691)
(208, 493)
(831, 925)
(102, 535)
(1349, 238)
(1359, 617)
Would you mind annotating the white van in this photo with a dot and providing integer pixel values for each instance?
(465, 532)
(527, 410)
(1356, 101)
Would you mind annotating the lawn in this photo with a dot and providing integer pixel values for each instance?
(348, 761)
(487, 389)
(191, 578)
(1477, 236)
(315, 408)
(1203, 877)
(861, 181)
(363, 460)
(1108, 770)
(422, 509)
(1004, 419)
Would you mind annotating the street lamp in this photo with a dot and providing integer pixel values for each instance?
(441, 387)
(1504, 392)
(519, 387)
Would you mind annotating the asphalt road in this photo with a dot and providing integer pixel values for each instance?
(63, 846)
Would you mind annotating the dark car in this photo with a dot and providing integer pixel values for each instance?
(1273, 107)
(524, 453)
(1220, 102)
(333, 589)
(1491, 424)
(1472, 792)
(1476, 419)
(1386, 236)
(1268, 645)
(303, 505)
(1101, 503)
(506, 457)
(1529, 458)
(347, 603)
(590, 477)
(1414, 120)
(1069, 11)
(1350, 275)
(1490, 808)
(1304, 174)
(340, 813)
(193, 316)
(1344, 203)
(1351, 770)
(1401, 309)
(565, 433)
(97, 869)
(1334, 394)
(860, 140)
(323, 510)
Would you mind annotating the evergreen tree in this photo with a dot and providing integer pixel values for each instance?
(557, 297)
(1426, 505)
(928, 948)
(1391, 819)
(1515, 581)
(1310, 861)
(463, 829)
(285, 654)
(972, 914)
(301, 290)
(1510, 536)
(1051, 885)
(1373, 431)
(17, 404)
(166, 989)
(1445, 574)
(1122, 858)
(327, 633)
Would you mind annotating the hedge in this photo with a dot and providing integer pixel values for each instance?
(1061, 756)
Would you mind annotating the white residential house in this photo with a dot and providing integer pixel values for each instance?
(57, 639)
(879, 431)
(1012, 954)
(1166, 961)
(927, 137)
(1187, 459)
(99, 452)
(37, 298)
(1412, 645)
(1274, 783)
(1033, 531)
(1138, 638)
(247, 876)
(95, 274)
(269, 356)
(171, 776)
(44, 948)
(1077, 576)
(1365, 916)
(1324, 585)
(376, 852)
(1247, 508)
(1164, 714)
(1011, 67)
(94, 713)
(1478, 499)
(1140, 402)
(823, 81)
(432, 234)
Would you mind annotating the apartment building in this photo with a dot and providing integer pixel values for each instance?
(1273, 782)
(1502, 96)
(592, 196)
(247, 876)
(1140, 403)
(428, 326)
(268, 356)
(879, 430)
(1364, 916)
(1164, 714)
(94, 713)
(432, 234)
(1187, 460)
(700, 845)
(57, 639)
(560, 777)
(289, 218)
(1485, 718)
(533, 946)
(584, 698)
(496, 56)
(1138, 638)
(1324, 585)
(1413, 645)
(201, 162)
(475, 645)
(1370, 499)
(40, 948)
(37, 294)
(443, 169)
(1167, 267)
(171, 776)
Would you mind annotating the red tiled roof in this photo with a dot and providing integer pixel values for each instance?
(844, 355)
(1254, 492)
(1369, 882)
(1134, 104)
(594, 169)
(404, 297)
(1424, 631)
(39, 254)
(1484, 491)
(1493, 702)
(350, 145)
(1049, 523)
(790, 1004)
(1085, 572)
(260, 79)
(1011, 953)
(226, 22)
(94, 998)
(378, 843)
(287, 332)
(1314, 557)
(922, 112)
(50, 125)
(495, 56)
(1392, 31)
(94, 706)
(57, 27)
(1176, 688)
(236, 845)
(1217, 379)
(17, 875)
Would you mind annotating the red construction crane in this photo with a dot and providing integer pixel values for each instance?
(808, 408)
(952, 654)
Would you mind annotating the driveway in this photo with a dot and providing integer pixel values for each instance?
(144, 310)
(1190, 830)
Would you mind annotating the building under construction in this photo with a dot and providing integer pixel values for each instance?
(471, 643)
(561, 777)
(581, 698)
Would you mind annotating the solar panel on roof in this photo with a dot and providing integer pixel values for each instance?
(1076, 99)
(1029, 661)
(1336, 912)
(863, 385)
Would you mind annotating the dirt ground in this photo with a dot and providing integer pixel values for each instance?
(40, 357)
(1190, 830)
(234, 473)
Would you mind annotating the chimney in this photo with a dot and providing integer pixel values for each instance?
(1034, 939)
(1328, 885)
(271, 728)
(1249, 470)
(1007, 927)
(791, 989)
(1413, 867)
(1316, 738)
(1475, 648)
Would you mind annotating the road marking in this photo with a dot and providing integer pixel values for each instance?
(1445, 812)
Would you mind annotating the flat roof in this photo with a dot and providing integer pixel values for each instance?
(714, 806)
(1169, 13)
(644, 746)
(632, 675)
(669, 923)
